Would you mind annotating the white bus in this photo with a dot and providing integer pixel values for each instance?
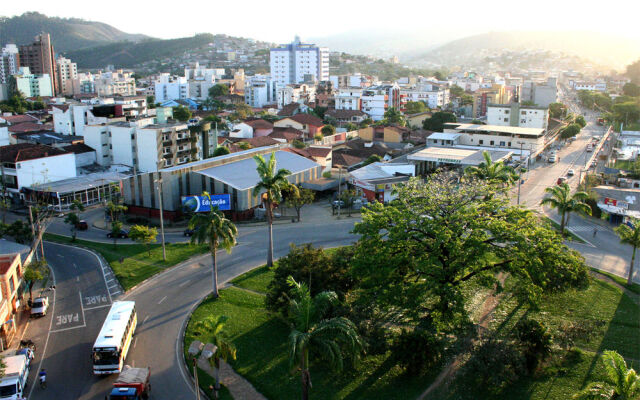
(112, 344)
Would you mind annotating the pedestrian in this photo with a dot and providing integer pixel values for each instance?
(595, 231)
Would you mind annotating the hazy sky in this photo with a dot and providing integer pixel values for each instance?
(280, 20)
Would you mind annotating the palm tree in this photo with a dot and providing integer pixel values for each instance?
(562, 200)
(621, 383)
(270, 186)
(214, 229)
(225, 350)
(492, 171)
(312, 332)
(630, 236)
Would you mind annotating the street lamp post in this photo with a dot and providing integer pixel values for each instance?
(339, 185)
(164, 251)
(519, 177)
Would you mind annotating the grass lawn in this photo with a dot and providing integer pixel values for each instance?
(261, 340)
(634, 287)
(624, 165)
(564, 376)
(132, 263)
(568, 234)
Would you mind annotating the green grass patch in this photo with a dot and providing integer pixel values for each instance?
(626, 165)
(565, 373)
(567, 233)
(634, 287)
(261, 340)
(132, 263)
(256, 280)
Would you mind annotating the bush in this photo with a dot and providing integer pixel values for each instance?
(570, 332)
(495, 364)
(416, 350)
(535, 340)
(313, 266)
(326, 174)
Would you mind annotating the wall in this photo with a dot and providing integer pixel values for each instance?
(147, 145)
(46, 169)
(84, 159)
(122, 145)
(95, 136)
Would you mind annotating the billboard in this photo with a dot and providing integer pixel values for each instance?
(201, 203)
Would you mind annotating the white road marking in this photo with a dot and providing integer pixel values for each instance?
(135, 341)
(110, 280)
(68, 329)
(97, 307)
(162, 299)
(145, 319)
(184, 283)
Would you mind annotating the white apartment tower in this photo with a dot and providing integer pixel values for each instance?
(9, 62)
(291, 62)
(67, 73)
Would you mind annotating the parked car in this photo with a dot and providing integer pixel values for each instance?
(82, 225)
(552, 159)
(39, 306)
(561, 180)
(338, 203)
(121, 235)
(188, 232)
(571, 172)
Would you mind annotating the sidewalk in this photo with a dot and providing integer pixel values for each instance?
(23, 316)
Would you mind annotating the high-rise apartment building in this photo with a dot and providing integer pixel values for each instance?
(67, 73)
(291, 62)
(9, 62)
(39, 57)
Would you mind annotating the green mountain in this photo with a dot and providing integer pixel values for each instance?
(66, 33)
(128, 54)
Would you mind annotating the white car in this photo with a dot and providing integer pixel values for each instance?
(39, 306)
(571, 172)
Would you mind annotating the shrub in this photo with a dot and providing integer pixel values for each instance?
(326, 174)
(314, 267)
(535, 340)
(495, 364)
(570, 332)
(416, 350)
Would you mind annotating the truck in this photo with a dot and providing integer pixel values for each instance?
(132, 384)
(14, 381)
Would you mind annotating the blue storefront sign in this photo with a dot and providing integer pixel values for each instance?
(201, 203)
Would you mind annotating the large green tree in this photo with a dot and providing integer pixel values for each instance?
(297, 199)
(395, 117)
(633, 72)
(631, 89)
(561, 199)
(33, 272)
(557, 110)
(415, 253)
(314, 332)
(219, 89)
(437, 121)
(181, 113)
(630, 236)
(271, 185)
(73, 219)
(621, 382)
(414, 107)
(215, 230)
(144, 235)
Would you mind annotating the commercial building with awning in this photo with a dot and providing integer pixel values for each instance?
(432, 158)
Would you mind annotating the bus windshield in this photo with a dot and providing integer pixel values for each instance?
(8, 390)
(106, 356)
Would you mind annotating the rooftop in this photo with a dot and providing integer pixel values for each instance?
(81, 182)
(514, 130)
(454, 155)
(243, 175)
(27, 151)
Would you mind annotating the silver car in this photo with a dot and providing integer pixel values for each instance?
(39, 306)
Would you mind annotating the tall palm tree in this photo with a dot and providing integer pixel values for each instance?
(492, 171)
(630, 236)
(312, 332)
(621, 383)
(562, 200)
(215, 230)
(271, 185)
(225, 350)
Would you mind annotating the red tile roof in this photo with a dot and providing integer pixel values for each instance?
(25, 127)
(17, 119)
(259, 124)
(6, 262)
(307, 119)
(78, 148)
(27, 151)
(288, 134)
(288, 110)
(319, 151)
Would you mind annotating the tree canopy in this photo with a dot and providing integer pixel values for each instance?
(219, 89)
(570, 131)
(181, 113)
(437, 121)
(631, 89)
(394, 116)
(414, 107)
(557, 110)
(416, 252)
(633, 72)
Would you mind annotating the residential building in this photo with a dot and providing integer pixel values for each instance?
(26, 164)
(348, 98)
(260, 90)
(496, 94)
(291, 62)
(530, 140)
(11, 272)
(31, 85)
(387, 134)
(515, 114)
(343, 117)
(9, 62)
(39, 58)
(434, 96)
(112, 83)
(72, 118)
(599, 86)
(296, 93)
(67, 74)
(307, 123)
(200, 79)
(376, 100)
(377, 181)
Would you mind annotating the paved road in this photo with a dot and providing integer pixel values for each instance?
(163, 304)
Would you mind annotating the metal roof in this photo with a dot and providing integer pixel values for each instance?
(515, 130)
(80, 183)
(242, 174)
(453, 155)
(443, 136)
(115, 324)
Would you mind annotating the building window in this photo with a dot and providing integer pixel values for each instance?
(506, 120)
(479, 141)
(491, 143)
(12, 284)
(509, 144)
(506, 111)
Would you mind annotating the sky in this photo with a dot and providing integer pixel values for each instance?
(279, 20)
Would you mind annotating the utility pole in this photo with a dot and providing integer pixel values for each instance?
(519, 177)
(339, 184)
(164, 251)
